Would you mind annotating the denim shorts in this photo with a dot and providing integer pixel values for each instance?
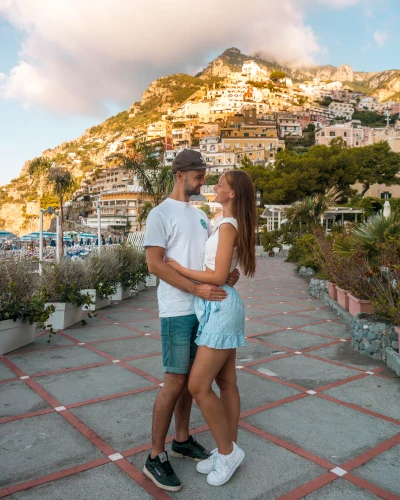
(178, 336)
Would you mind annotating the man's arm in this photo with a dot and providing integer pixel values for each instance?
(156, 265)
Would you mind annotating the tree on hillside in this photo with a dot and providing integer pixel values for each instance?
(61, 181)
(275, 76)
(245, 162)
(377, 164)
(207, 210)
(212, 179)
(152, 175)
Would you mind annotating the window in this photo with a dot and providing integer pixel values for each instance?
(332, 134)
(246, 134)
(344, 134)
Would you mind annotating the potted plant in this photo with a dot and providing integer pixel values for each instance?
(100, 279)
(22, 306)
(332, 290)
(384, 283)
(61, 283)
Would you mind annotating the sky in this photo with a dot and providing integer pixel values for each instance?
(68, 65)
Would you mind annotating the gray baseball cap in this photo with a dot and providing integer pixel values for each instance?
(188, 159)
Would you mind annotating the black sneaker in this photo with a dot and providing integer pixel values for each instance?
(189, 449)
(160, 471)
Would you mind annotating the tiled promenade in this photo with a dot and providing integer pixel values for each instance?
(318, 421)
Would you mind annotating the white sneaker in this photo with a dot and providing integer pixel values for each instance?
(207, 466)
(225, 466)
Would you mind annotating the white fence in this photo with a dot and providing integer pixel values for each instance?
(137, 239)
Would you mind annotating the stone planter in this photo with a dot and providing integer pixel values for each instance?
(98, 303)
(358, 306)
(140, 286)
(152, 280)
(65, 315)
(332, 290)
(15, 334)
(342, 298)
(397, 330)
(121, 294)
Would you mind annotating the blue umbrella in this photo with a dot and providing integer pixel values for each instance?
(81, 242)
(115, 241)
(97, 242)
(52, 243)
(119, 241)
(110, 241)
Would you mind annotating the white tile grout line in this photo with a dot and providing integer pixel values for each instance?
(298, 352)
(338, 471)
(370, 373)
(239, 367)
(81, 343)
(311, 392)
(343, 340)
(60, 408)
(116, 361)
(115, 456)
(24, 377)
(161, 385)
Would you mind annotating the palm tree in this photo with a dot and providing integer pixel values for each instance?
(155, 178)
(61, 181)
(370, 236)
(310, 210)
(143, 213)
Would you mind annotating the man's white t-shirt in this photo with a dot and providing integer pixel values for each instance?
(182, 230)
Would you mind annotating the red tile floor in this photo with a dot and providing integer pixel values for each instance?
(303, 391)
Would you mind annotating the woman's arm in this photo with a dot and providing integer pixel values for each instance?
(223, 259)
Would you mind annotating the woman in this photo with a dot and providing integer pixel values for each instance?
(221, 328)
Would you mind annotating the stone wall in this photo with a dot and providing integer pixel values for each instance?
(373, 337)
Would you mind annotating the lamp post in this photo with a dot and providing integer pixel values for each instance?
(258, 202)
(99, 226)
(49, 210)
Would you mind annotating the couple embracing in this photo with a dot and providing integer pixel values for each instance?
(202, 317)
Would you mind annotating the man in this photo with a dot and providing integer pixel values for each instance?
(177, 230)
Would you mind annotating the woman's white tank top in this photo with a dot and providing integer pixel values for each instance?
(211, 245)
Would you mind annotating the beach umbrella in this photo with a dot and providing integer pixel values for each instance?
(103, 241)
(97, 242)
(119, 241)
(110, 240)
(52, 243)
(81, 242)
(87, 242)
(115, 241)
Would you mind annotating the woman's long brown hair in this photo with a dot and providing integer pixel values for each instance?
(244, 211)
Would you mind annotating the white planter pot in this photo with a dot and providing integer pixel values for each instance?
(64, 316)
(121, 294)
(140, 286)
(98, 303)
(152, 280)
(15, 334)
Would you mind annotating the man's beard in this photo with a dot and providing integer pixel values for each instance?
(190, 191)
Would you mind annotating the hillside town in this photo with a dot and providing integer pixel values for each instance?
(250, 115)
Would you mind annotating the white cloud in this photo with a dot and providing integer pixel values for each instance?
(78, 56)
(339, 4)
(380, 38)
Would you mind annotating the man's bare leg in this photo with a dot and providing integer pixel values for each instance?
(163, 409)
(182, 414)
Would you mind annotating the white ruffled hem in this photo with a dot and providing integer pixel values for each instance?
(220, 341)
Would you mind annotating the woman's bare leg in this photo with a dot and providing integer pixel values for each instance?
(207, 364)
(227, 383)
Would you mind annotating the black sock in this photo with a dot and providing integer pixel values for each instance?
(182, 442)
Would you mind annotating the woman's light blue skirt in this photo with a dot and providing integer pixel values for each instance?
(221, 323)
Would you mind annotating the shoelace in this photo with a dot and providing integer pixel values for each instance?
(166, 468)
(220, 463)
